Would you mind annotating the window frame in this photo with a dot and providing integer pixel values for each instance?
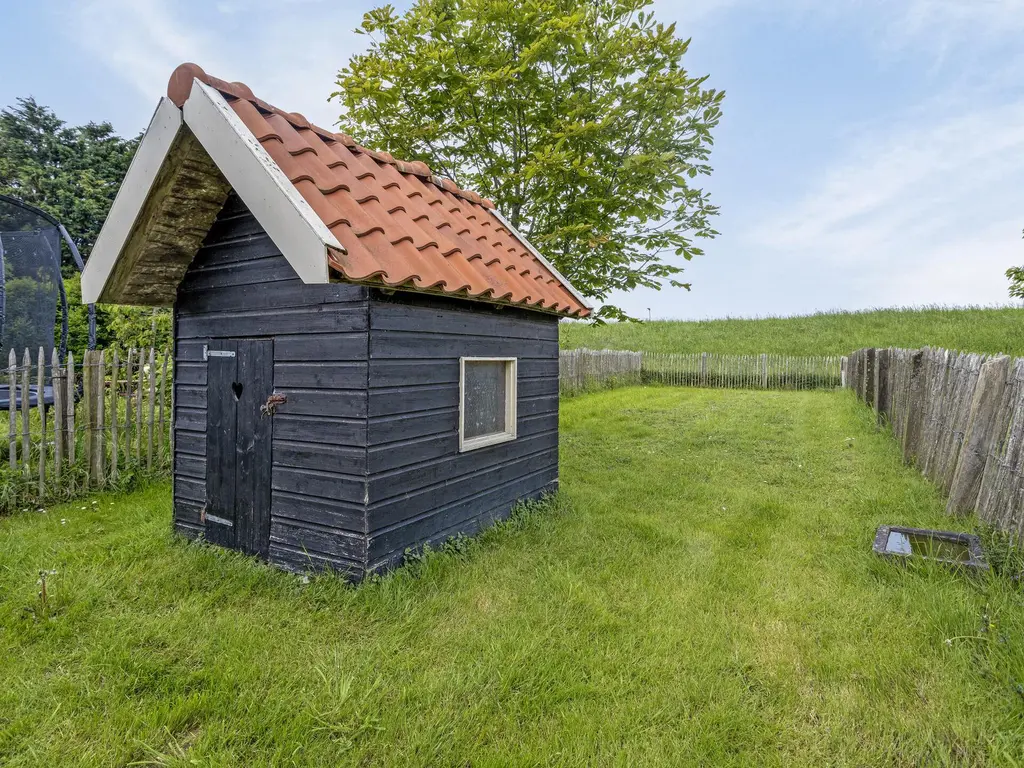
(511, 404)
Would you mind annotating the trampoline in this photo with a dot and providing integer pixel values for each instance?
(32, 294)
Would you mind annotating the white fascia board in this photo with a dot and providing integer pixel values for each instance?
(291, 223)
(558, 275)
(149, 158)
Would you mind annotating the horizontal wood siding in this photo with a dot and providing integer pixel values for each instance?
(421, 489)
(240, 286)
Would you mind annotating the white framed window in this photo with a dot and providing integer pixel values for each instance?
(487, 401)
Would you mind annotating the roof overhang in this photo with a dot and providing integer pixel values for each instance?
(186, 165)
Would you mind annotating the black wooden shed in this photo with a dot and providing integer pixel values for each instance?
(366, 356)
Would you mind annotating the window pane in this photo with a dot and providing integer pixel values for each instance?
(485, 398)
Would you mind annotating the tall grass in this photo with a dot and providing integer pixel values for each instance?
(833, 333)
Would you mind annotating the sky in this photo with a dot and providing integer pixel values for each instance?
(871, 152)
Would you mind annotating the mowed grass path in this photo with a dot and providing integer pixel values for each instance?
(702, 593)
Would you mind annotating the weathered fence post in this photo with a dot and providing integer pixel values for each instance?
(12, 409)
(98, 398)
(915, 407)
(979, 436)
(41, 407)
(1001, 500)
(881, 385)
(114, 404)
(57, 382)
(69, 404)
(163, 384)
(26, 396)
(152, 408)
(869, 376)
(88, 407)
(138, 409)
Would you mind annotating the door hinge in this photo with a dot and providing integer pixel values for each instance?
(208, 353)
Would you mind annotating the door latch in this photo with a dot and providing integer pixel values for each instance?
(208, 353)
(269, 407)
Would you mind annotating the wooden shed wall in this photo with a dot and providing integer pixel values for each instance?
(421, 489)
(239, 286)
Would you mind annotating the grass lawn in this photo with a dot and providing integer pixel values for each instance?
(832, 333)
(702, 592)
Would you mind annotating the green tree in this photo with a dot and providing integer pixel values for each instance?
(576, 117)
(1016, 276)
(72, 173)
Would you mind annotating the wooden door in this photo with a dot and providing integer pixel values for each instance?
(238, 443)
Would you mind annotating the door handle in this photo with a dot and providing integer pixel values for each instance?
(269, 407)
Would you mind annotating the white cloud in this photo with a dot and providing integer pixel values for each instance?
(930, 211)
(949, 18)
(140, 40)
(287, 52)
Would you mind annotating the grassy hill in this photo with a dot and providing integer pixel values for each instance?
(832, 333)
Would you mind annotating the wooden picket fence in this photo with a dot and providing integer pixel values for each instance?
(582, 370)
(959, 417)
(103, 419)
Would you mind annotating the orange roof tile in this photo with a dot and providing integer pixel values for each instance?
(401, 226)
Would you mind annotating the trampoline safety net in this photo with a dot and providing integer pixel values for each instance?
(30, 284)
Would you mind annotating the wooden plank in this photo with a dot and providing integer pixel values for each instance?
(322, 511)
(57, 382)
(12, 409)
(128, 417)
(69, 403)
(40, 388)
(98, 435)
(322, 318)
(915, 407)
(996, 502)
(220, 445)
(410, 317)
(325, 541)
(162, 396)
(254, 435)
(881, 385)
(327, 348)
(140, 382)
(345, 459)
(26, 399)
(869, 377)
(88, 404)
(115, 399)
(980, 433)
(314, 429)
(339, 403)
(151, 415)
(322, 375)
(964, 381)
(320, 484)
